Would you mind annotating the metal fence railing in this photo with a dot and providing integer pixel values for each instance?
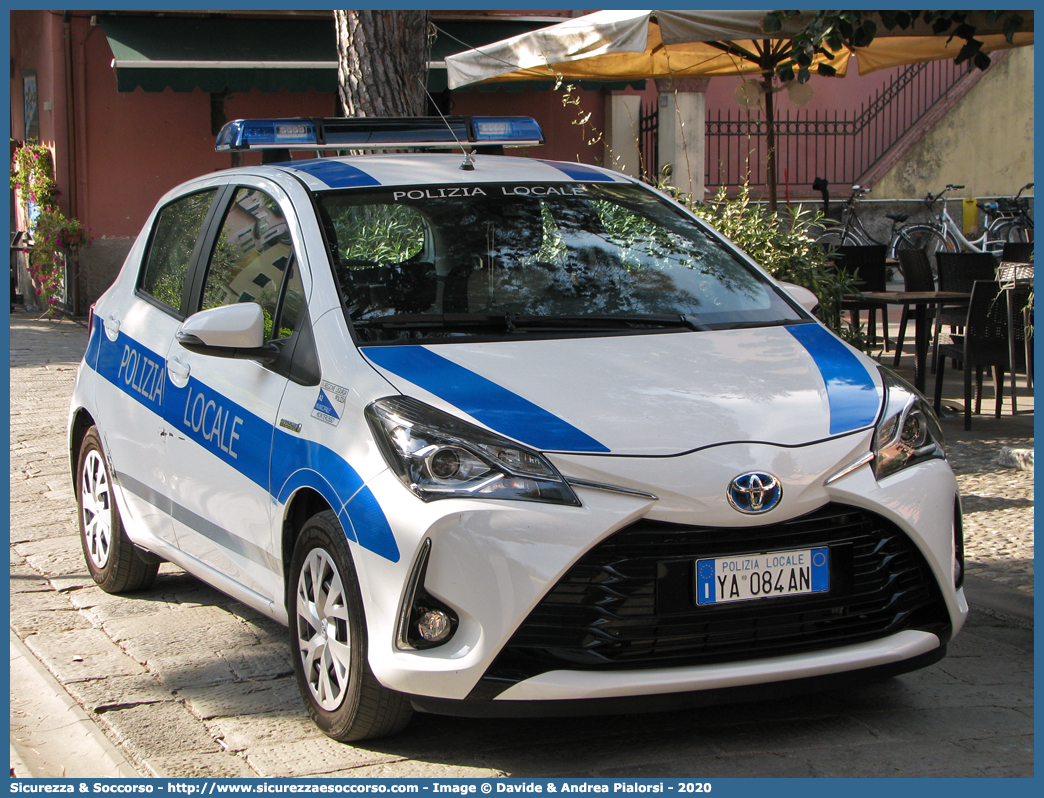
(841, 145)
(649, 137)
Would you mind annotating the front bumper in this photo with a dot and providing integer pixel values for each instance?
(570, 693)
(495, 563)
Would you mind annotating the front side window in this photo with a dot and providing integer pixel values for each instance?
(253, 259)
(530, 259)
(174, 237)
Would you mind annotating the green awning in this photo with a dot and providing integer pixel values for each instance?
(217, 54)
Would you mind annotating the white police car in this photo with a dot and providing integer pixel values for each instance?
(503, 436)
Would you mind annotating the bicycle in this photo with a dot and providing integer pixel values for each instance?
(944, 234)
(1008, 218)
(852, 232)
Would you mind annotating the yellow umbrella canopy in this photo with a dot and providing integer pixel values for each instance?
(636, 45)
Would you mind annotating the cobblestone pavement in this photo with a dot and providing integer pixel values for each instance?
(189, 683)
(998, 511)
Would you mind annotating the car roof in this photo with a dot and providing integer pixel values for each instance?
(426, 169)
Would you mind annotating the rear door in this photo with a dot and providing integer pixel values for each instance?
(136, 328)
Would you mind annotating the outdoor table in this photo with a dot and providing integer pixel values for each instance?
(921, 301)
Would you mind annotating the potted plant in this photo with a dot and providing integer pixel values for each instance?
(54, 237)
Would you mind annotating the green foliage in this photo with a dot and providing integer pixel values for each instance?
(382, 233)
(828, 33)
(173, 240)
(781, 242)
(32, 176)
(224, 266)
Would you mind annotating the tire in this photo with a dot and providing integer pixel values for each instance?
(833, 237)
(111, 558)
(1014, 231)
(342, 695)
(926, 238)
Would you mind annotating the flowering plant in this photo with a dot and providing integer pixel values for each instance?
(32, 175)
(53, 236)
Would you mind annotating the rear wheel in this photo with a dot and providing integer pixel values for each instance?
(328, 640)
(924, 237)
(1013, 231)
(111, 558)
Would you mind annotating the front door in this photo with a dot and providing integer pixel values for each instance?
(224, 428)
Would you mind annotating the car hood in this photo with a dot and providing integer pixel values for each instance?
(651, 394)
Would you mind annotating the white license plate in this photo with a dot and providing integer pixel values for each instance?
(759, 576)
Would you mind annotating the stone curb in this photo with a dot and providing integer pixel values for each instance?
(59, 736)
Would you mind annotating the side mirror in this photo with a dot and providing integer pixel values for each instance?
(235, 331)
(802, 296)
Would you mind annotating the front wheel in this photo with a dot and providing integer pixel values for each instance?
(111, 558)
(328, 640)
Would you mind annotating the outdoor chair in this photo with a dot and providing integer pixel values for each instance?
(867, 263)
(987, 341)
(1012, 271)
(1017, 251)
(917, 274)
(958, 271)
(1016, 275)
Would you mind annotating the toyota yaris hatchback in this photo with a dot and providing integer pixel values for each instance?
(498, 435)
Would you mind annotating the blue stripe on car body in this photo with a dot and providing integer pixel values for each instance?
(335, 174)
(851, 394)
(579, 171)
(266, 455)
(493, 405)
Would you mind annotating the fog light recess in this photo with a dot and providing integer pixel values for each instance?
(424, 621)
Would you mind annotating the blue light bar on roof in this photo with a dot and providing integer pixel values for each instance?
(378, 133)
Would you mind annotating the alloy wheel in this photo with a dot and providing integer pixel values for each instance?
(96, 506)
(323, 629)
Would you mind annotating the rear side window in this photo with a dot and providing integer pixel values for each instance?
(174, 238)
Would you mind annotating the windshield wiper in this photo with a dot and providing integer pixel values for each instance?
(616, 321)
(747, 325)
(517, 323)
(433, 321)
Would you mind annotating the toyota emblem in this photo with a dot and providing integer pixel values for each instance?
(755, 493)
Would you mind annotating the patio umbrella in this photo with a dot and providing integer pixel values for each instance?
(635, 45)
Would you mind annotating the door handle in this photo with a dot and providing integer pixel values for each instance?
(179, 372)
(112, 328)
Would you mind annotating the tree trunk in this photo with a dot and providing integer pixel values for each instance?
(382, 65)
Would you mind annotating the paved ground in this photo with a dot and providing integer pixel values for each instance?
(185, 682)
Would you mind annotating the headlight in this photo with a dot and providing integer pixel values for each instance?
(908, 431)
(438, 456)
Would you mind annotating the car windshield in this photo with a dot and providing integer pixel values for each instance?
(539, 260)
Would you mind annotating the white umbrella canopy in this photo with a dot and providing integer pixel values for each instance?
(636, 45)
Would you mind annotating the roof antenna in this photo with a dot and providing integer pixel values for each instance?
(469, 156)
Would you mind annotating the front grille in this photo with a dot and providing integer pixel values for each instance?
(629, 602)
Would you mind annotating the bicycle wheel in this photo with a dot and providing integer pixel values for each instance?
(924, 237)
(834, 237)
(1015, 232)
